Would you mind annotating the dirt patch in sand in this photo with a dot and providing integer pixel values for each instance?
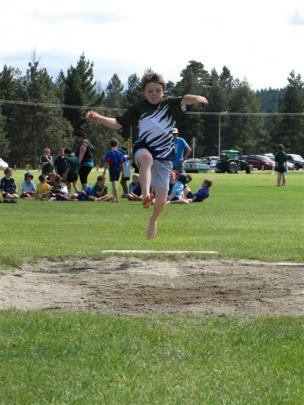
(127, 285)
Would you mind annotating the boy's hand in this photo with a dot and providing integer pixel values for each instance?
(91, 115)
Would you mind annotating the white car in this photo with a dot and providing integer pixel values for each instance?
(3, 164)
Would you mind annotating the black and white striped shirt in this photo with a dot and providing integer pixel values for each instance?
(155, 124)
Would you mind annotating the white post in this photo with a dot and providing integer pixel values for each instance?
(193, 145)
(219, 134)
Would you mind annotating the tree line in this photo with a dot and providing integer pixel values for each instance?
(44, 114)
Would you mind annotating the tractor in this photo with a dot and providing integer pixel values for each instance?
(231, 162)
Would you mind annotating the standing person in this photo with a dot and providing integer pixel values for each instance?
(71, 173)
(60, 163)
(281, 166)
(8, 186)
(182, 151)
(126, 171)
(46, 162)
(153, 149)
(114, 160)
(84, 153)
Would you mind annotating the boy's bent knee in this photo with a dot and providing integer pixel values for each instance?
(143, 156)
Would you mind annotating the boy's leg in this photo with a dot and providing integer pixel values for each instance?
(159, 204)
(124, 186)
(144, 161)
(114, 191)
(160, 183)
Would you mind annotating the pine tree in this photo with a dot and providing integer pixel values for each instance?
(34, 127)
(245, 132)
(4, 143)
(194, 80)
(80, 90)
(114, 92)
(290, 129)
(133, 93)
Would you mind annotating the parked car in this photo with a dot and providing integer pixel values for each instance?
(196, 166)
(211, 161)
(260, 162)
(297, 160)
(3, 164)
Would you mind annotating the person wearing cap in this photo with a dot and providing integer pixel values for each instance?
(182, 151)
(28, 188)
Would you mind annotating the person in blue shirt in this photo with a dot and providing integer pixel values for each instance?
(176, 195)
(114, 160)
(28, 188)
(182, 151)
(202, 193)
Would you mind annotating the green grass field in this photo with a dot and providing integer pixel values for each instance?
(246, 216)
(65, 358)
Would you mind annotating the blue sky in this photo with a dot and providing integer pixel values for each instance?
(258, 40)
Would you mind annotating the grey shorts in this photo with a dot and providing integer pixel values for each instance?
(160, 173)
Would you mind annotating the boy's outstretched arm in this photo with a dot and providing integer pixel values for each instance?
(102, 120)
(190, 99)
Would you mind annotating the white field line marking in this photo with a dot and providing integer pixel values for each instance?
(171, 252)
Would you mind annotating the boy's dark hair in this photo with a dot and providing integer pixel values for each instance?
(281, 147)
(67, 151)
(182, 178)
(7, 170)
(101, 177)
(208, 182)
(80, 133)
(41, 177)
(114, 143)
(152, 77)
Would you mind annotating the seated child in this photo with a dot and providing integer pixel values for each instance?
(59, 190)
(100, 190)
(85, 195)
(134, 193)
(176, 195)
(202, 193)
(43, 188)
(8, 186)
(28, 188)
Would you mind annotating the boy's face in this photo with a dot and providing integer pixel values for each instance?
(135, 179)
(9, 173)
(154, 93)
(172, 177)
(101, 182)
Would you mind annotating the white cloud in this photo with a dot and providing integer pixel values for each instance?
(259, 40)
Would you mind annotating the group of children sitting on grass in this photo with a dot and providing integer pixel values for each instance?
(54, 188)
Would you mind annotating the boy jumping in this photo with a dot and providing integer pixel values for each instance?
(154, 148)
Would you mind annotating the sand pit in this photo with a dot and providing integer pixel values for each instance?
(131, 286)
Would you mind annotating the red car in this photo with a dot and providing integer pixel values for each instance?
(260, 162)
